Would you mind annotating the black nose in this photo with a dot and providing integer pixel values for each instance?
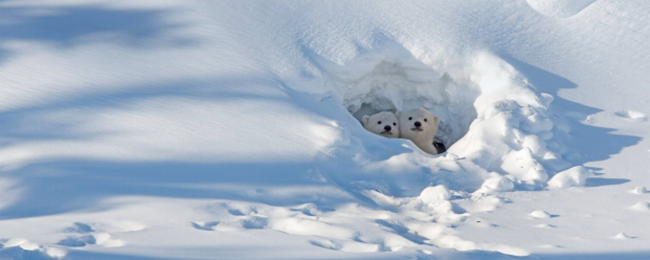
(387, 128)
(417, 124)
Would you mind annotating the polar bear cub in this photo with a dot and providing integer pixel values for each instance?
(419, 126)
(383, 123)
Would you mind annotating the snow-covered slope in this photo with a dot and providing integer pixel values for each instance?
(229, 129)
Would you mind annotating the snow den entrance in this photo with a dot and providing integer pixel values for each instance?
(367, 87)
(489, 112)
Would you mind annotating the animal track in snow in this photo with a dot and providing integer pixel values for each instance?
(83, 234)
(310, 227)
(239, 209)
(237, 216)
(345, 246)
(331, 230)
(559, 8)
(235, 212)
(403, 231)
(545, 225)
(100, 239)
(78, 227)
(254, 223)
(207, 226)
(78, 241)
(632, 115)
(308, 209)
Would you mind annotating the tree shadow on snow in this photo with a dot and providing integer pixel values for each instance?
(74, 183)
(57, 185)
(67, 26)
(68, 185)
(591, 143)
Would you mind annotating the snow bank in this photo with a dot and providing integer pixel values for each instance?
(490, 114)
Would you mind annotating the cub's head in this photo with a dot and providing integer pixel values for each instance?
(382, 123)
(416, 122)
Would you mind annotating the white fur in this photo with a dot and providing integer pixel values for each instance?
(421, 136)
(378, 123)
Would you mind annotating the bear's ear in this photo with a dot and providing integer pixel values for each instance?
(365, 119)
(436, 119)
(398, 113)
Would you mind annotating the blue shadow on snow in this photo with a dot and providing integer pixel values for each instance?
(592, 143)
(65, 26)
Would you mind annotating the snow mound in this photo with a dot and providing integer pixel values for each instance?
(621, 236)
(490, 114)
(559, 8)
(435, 195)
(496, 184)
(643, 206)
(540, 214)
(639, 190)
(576, 176)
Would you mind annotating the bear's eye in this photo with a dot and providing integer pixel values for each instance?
(410, 118)
(425, 120)
(379, 123)
(394, 123)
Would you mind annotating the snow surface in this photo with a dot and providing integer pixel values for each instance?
(230, 129)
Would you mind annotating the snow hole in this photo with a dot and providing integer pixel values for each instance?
(489, 112)
(393, 85)
(395, 80)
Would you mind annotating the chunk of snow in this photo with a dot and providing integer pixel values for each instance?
(486, 204)
(540, 214)
(576, 176)
(621, 236)
(499, 184)
(641, 206)
(523, 165)
(537, 123)
(56, 252)
(433, 196)
(639, 190)
(536, 145)
(22, 243)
